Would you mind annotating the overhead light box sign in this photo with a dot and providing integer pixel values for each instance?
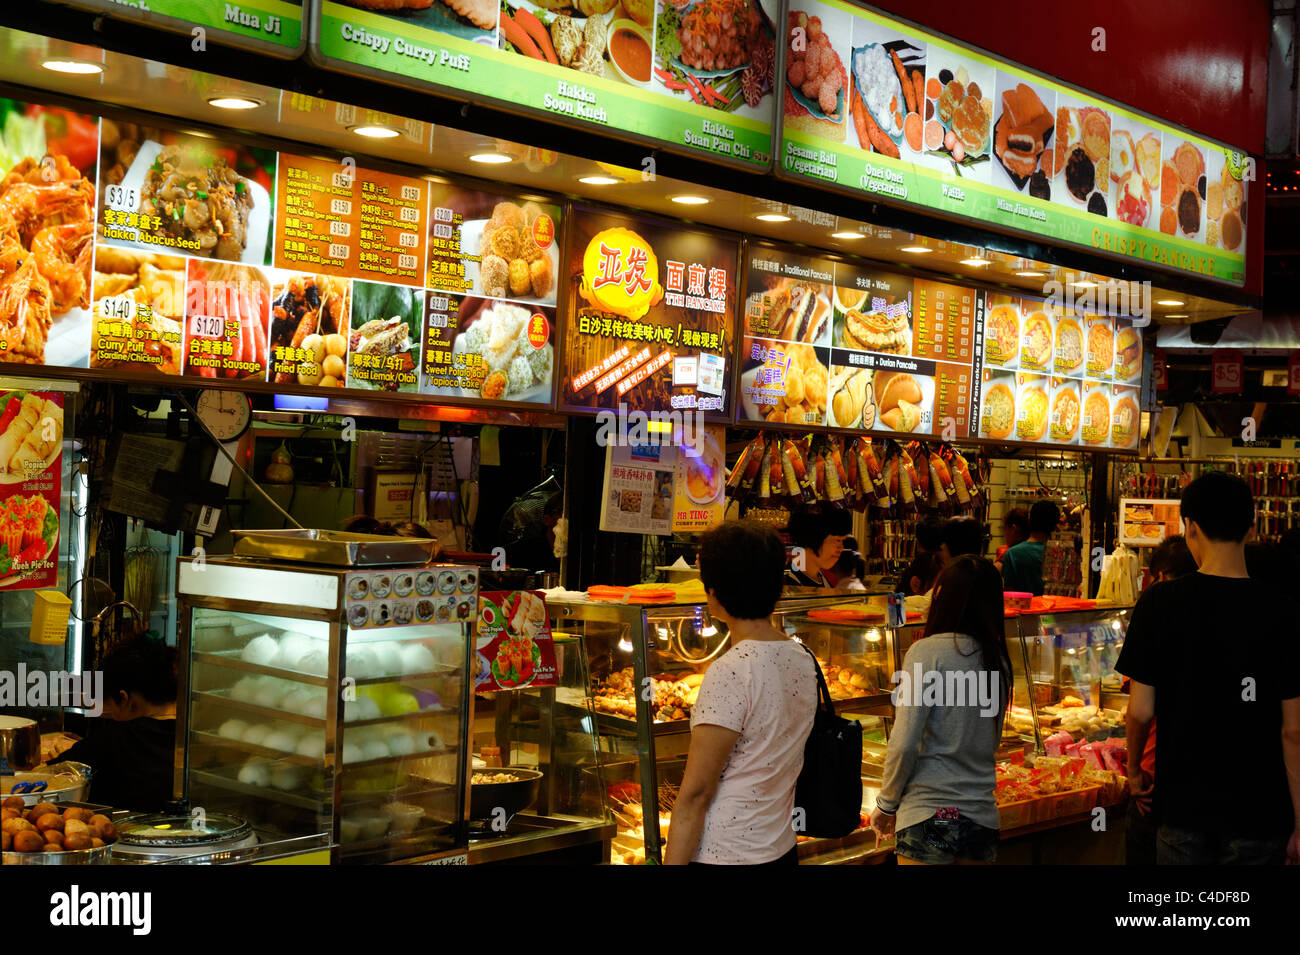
(269, 26)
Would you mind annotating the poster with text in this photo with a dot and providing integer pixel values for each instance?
(637, 491)
(31, 476)
(652, 308)
(513, 647)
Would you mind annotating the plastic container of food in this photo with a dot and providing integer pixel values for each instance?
(1016, 599)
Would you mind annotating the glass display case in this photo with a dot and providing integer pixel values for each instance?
(663, 650)
(561, 814)
(316, 699)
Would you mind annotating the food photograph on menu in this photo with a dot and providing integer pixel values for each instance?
(384, 341)
(651, 306)
(48, 162)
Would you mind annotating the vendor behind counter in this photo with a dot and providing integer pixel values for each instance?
(130, 748)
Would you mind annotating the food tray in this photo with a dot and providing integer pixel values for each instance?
(334, 548)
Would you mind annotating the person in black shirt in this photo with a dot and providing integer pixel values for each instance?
(1213, 655)
(821, 536)
(131, 749)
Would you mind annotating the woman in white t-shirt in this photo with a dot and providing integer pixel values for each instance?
(753, 715)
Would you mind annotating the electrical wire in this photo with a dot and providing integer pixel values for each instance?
(194, 415)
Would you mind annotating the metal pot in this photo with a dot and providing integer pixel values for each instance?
(513, 797)
(98, 856)
(61, 782)
(20, 743)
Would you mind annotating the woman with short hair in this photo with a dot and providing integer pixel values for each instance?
(752, 717)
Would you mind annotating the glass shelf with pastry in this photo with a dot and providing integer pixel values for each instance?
(537, 786)
(667, 648)
(328, 700)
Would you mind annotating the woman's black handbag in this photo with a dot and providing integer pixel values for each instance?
(828, 793)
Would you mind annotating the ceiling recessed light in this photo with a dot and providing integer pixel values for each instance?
(375, 132)
(847, 236)
(490, 159)
(1031, 274)
(72, 66)
(598, 180)
(976, 263)
(1169, 302)
(690, 200)
(234, 102)
(914, 249)
(772, 217)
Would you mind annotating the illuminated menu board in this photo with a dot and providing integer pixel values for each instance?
(855, 347)
(164, 255)
(269, 26)
(878, 107)
(651, 313)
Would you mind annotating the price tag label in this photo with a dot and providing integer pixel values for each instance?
(408, 240)
(343, 180)
(122, 199)
(442, 231)
(410, 193)
(1228, 373)
(341, 207)
(340, 228)
(117, 307)
(408, 214)
(442, 214)
(437, 321)
(439, 303)
(338, 250)
(205, 326)
(406, 261)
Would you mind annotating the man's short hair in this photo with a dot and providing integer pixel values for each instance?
(1221, 505)
(963, 535)
(1172, 558)
(1043, 517)
(743, 564)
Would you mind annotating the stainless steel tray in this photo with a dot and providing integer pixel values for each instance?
(334, 548)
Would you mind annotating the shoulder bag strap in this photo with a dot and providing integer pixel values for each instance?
(823, 691)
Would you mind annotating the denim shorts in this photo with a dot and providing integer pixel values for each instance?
(943, 841)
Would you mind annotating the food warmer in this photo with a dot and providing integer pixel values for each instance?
(548, 737)
(327, 694)
(667, 648)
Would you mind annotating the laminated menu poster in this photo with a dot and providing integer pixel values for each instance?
(31, 478)
(513, 647)
(698, 502)
(493, 263)
(651, 312)
(876, 106)
(696, 77)
(856, 347)
(269, 26)
(637, 493)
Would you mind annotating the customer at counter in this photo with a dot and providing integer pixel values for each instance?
(819, 537)
(1169, 560)
(940, 768)
(1015, 528)
(752, 717)
(130, 749)
(1022, 565)
(1251, 689)
(961, 535)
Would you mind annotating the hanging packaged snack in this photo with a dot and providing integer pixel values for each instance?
(835, 476)
(765, 472)
(803, 476)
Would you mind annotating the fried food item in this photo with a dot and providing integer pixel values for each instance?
(481, 13)
(494, 274)
(521, 282)
(540, 276)
(505, 242)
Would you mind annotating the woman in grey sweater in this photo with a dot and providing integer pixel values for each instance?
(951, 697)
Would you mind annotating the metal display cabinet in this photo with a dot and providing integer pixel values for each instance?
(329, 700)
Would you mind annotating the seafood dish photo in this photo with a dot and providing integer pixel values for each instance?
(796, 377)
(511, 263)
(1082, 156)
(46, 245)
(31, 435)
(717, 53)
(816, 83)
(311, 312)
(148, 335)
(1022, 138)
(1183, 190)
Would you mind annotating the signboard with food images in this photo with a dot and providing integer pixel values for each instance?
(698, 483)
(268, 26)
(513, 648)
(1148, 521)
(31, 477)
(405, 596)
(384, 342)
(492, 273)
(874, 105)
(696, 77)
(641, 293)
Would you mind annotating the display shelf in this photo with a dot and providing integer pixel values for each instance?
(230, 659)
(252, 749)
(219, 698)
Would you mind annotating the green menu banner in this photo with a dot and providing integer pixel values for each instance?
(873, 105)
(272, 26)
(698, 81)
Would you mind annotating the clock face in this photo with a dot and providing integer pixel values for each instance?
(227, 414)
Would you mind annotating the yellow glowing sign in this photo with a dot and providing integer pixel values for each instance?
(620, 273)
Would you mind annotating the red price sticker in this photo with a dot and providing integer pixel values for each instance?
(1228, 373)
(539, 330)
